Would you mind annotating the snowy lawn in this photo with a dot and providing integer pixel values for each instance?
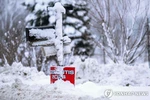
(24, 83)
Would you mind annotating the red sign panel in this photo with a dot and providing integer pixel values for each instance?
(68, 74)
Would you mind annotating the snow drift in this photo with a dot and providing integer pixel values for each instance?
(112, 74)
(26, 83)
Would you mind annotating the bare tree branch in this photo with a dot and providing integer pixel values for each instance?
(122, 23)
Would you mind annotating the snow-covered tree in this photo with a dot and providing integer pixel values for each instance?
(122, 27)
(77, 24)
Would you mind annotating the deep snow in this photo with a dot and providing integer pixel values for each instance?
(24, 83)
(112, 74)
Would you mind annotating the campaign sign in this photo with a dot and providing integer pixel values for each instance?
(68, 74)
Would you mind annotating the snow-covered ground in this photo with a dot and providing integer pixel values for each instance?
(23, 83)
(112, 74)
(93, 82)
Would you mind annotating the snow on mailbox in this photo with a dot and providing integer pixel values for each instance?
(52, 43)
(50, 37)
(38, 36)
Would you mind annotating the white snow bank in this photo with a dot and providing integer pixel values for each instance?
(24, 83)
(112, 74)
(59, 91)
(27, 75)
(90, 88)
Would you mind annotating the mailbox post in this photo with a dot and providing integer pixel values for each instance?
(59, 36)
(53, 43)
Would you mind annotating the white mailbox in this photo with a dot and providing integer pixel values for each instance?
(51, 38)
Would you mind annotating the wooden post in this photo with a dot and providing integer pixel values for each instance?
(59, 36)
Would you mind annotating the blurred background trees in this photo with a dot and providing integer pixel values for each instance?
(121, 27)
(11, 30)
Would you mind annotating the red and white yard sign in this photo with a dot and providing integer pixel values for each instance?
(68, 74)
